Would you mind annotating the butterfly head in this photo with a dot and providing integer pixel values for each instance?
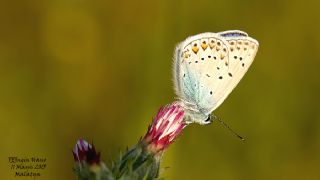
(197, 117)
(194, 115)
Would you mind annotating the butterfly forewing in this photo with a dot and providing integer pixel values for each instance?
(242, 50)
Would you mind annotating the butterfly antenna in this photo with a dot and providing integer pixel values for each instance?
(228, 127)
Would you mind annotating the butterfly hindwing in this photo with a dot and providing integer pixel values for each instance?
(196, 64)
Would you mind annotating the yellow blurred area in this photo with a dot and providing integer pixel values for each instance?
(101, 69)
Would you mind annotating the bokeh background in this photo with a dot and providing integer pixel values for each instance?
(101, 69)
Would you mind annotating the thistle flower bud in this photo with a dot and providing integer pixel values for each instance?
(88, 164)
(166, 127)
(83, 151)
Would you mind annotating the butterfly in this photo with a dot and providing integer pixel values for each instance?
(207, 67)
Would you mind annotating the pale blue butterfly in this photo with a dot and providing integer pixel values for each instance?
(206, 69)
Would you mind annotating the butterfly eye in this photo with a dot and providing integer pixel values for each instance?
(208, 119)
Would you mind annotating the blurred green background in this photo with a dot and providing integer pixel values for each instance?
(101, 69)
